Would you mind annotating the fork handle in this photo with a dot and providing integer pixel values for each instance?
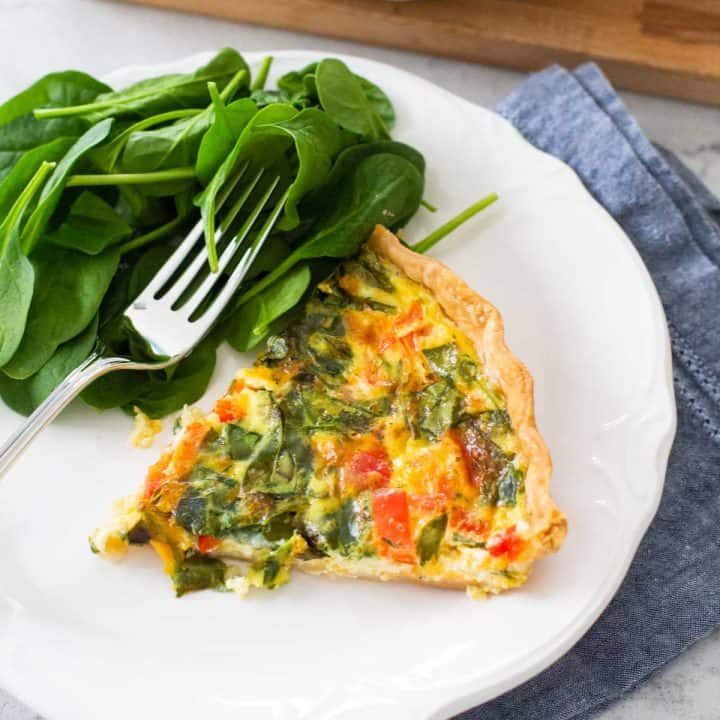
(93, 367)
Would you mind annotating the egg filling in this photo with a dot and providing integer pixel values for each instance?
(368, 437)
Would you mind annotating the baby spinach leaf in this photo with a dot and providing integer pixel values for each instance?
(346, 163)
(317, 141)
(24, 396)
(69, 287)
(160, 94)
(53, 188)
(217, 143)
(17, 275)
(16, 288)
(343, 99)
(381, 188)
(249, 324)
(146, 268)
(105, 157)
(351, 156)
(274, 251)
(263, 98)
(171, 146)
(116, 298)
(116, 389)
(293, 82)
(379, 100)
(299, 87)
(20, 131)
(91, 226)
(160, 396)
(26, 167)
(25, 133)
(54, 90)
(142, 212)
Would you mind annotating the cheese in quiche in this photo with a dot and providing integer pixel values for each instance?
(388, 433)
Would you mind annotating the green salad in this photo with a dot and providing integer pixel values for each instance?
(97, 187)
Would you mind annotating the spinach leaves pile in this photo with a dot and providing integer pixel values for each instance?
(98, 185)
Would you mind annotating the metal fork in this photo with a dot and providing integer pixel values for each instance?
(172, 315)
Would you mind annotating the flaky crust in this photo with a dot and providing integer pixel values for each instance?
(483, 324)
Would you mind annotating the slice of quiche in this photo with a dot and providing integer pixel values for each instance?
(388, 433)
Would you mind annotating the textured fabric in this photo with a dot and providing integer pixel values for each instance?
(671, 596)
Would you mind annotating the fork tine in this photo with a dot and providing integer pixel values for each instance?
(173, 262)
(199, 295)
(221, 301)
(200, 260)
(173, 333)
(186, 246)
(237, 206)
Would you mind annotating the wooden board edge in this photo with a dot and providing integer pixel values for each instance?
(515, 55)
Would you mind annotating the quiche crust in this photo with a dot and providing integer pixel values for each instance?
(482, 323)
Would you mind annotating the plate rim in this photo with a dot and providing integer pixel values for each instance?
(463, 696)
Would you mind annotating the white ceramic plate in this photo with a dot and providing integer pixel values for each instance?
(84, 638)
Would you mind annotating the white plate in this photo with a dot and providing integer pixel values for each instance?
(84, 638)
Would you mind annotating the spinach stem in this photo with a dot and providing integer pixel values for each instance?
(18, 208)
(216, 101)
(229, 90)
(434, 237)
(147, 238)
(428, 206)
(262, 74)
(210, 242)
(182, 173)
(48, 113)
(157, 120)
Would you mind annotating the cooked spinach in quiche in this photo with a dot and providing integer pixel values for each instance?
(388, 433)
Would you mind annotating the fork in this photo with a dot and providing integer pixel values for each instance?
(176, 309)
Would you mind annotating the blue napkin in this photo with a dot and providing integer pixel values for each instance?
(671, 596)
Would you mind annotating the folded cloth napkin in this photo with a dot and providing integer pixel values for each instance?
(671, 596)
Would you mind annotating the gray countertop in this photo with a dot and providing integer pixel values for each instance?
(37, 36)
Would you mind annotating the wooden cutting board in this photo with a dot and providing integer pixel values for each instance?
(664, 47)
